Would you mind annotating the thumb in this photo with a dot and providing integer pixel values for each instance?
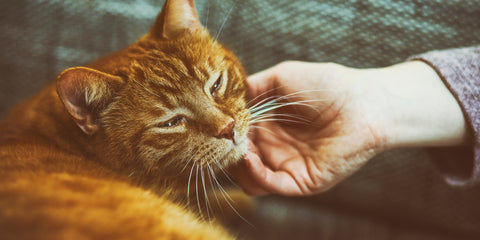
(243, 174)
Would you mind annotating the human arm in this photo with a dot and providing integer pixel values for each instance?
(363, 112)
(460, 71)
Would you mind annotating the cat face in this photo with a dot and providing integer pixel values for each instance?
(170, 103)
(186, 100)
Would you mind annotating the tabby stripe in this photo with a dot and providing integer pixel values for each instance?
(137, 138)
(158, 152)
(171, 69)
(204, 72)
(189, 67)
(169, 140)
(165, 93)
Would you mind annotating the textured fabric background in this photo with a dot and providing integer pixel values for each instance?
(396, 196)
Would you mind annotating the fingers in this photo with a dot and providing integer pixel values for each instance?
(276, 182)
(245, 179)
(257, 179)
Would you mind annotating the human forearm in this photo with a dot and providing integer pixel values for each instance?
(412, 106)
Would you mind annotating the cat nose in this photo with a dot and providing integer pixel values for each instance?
(227, 131)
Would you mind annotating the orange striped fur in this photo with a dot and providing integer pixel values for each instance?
(108, 150)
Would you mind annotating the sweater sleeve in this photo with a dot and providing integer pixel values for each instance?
(460, 71)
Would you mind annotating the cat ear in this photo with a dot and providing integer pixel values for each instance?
(85, 93)
(176, 17)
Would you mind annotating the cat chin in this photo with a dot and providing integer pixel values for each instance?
(237, 152)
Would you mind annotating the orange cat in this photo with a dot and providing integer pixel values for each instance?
(115, 149)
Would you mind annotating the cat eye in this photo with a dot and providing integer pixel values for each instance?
(216, 85)
(172, 122)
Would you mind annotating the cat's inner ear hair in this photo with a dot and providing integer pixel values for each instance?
(85, 92)
(176, 17)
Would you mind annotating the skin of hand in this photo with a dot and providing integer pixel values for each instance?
(352, 115)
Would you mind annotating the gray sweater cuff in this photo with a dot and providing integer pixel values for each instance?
(460, 71)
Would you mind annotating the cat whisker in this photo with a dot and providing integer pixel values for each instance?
(227, 176)
(272, 105)
(284, 96)
(189, 160)
(224, 172)
(188, 184)
(263, 128)
(186, 164)
(264, 102)
(276, 102)
(305, 91)
(228, 200)
(224, 21)
(208, 11)
(220, 186)
(278, 120)
(220, 29)
(262, 110)
(279, 116)
(207, 203)
(211, 176)
(273, 100)
(196, 193)
(261, 95)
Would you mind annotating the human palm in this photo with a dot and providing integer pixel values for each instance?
(318, 139)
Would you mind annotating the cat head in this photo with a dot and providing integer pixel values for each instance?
(165, 106)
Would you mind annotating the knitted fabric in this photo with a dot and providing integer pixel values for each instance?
(460, 71)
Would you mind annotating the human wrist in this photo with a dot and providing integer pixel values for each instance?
(412, 107)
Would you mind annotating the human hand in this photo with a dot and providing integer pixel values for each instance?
(347, 117)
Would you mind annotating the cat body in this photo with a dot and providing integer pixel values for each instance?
(114, 150)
